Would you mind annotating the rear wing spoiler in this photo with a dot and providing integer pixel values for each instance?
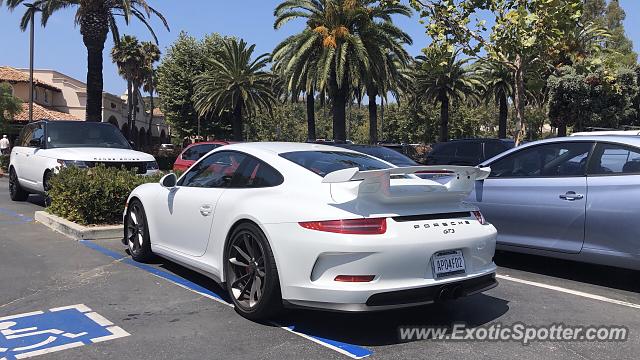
(462, 178)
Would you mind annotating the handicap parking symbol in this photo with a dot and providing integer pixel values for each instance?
(41, 332)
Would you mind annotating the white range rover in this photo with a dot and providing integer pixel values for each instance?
(46, 146)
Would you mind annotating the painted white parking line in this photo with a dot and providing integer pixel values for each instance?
(569, 291)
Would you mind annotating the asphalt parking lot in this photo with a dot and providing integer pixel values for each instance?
(164, 311)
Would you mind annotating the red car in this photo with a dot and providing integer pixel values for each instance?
(194, 152)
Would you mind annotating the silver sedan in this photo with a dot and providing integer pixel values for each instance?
(575, 198)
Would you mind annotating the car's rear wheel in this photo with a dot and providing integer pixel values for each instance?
(251, 273)
(16, 192)
(136, 232)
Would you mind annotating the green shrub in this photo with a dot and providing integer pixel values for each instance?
(4, 162)
(93, 196)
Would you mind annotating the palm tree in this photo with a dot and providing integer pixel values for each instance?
(96, 19)
(299, 75)
(441, 77)
(128, 55)
(331, 48)
(235, 84)
(151, 54)
(384, 43)
(498, 81)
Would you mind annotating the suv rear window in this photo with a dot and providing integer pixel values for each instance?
(325, 162)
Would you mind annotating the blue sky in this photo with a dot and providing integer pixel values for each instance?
(60, 46)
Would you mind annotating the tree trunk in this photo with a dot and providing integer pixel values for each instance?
(340, 117)
(339, 104)
(237, 121)
(151, 103)
(519, 99)
(130, 110)
(562, 130)
(502, 119)
(311, 116)
(94, 28)
(134, 115)
(444, 118)
(373, 117)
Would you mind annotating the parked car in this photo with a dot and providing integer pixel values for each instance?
(404, 149)
(45, 146)
(467, 151)
(381, 152)
(308, 225)
(194, 152)
(609, 132)
(167, 149)
(574, 198)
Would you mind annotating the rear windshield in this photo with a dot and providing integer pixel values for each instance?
(325, 162)
(385, 154)
(197, 151)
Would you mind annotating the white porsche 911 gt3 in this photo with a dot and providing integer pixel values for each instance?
(307, 225)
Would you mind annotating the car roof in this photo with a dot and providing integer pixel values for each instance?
(620, 139)
(282, 147)
(606, 133)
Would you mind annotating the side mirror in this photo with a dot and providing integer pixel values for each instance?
(169, 181)
(36, 143)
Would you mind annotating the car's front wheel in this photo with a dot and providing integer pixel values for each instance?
(251, 273)
(136, 232)
(16, 192)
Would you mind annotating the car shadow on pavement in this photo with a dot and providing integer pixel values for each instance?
(366, 329)
(383, 328)
(36, 199)
(600, 275)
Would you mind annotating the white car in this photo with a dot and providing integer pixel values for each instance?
(46, 146)
(308, 225)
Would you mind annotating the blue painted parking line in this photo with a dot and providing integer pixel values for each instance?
(16, 217)
(353, 351)
(42, 332)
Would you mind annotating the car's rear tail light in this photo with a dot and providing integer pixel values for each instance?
(375, 226)
(354, 278)
(479, 217)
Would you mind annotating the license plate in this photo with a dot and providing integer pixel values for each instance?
(447, 263)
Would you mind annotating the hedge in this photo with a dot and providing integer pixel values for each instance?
(93, 196)
(4, 162)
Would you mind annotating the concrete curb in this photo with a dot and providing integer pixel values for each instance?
(76, 231)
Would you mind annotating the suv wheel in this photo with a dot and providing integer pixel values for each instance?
(16, 192)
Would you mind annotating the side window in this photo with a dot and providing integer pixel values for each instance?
(38, 133)
(215, 171)
(615, 159)
(196, 152)
(255, 174)
(25, 136)
(469, 150)
(493, 148)
(549, 160)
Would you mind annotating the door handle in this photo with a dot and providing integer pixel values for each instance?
(571, 196)
(205, 210)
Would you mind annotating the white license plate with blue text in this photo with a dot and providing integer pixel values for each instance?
(447, 263)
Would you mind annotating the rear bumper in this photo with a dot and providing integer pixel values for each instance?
(400, 261)
(407, 298)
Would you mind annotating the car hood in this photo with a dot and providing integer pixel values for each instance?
(97, 154)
